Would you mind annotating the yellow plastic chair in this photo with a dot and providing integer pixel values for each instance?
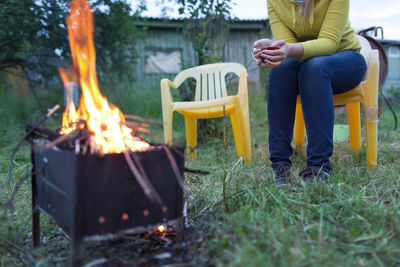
(211, 101)
(366, 93)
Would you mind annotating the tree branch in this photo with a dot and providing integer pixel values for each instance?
(8, 3)
(10, 41)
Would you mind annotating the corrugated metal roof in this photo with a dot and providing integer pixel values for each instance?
(389, 42)
(182, 19)
(177, 23)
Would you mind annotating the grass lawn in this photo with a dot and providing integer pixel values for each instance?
(237, 216)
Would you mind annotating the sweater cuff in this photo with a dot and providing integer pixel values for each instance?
(308, 48)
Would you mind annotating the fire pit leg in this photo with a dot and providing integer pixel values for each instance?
(35, 210)
(76, 252)
(36, 228)
(77, 230)
(180, 224)
(180, 229)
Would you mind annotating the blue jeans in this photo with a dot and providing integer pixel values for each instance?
(316, 80)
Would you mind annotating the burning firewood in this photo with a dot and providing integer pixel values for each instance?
(59, 140)
(142, 128)
(138, 118)
(63, 137)
(137, 127)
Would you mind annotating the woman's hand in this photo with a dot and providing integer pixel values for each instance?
(258, 46)
(274, 56)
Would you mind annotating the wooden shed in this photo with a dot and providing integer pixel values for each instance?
(13, 73)
(392, 49)
(165, 51)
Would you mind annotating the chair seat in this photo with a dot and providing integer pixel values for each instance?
(354, 95)
(210, 112)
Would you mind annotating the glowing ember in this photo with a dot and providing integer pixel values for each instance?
(104, 121)
(161, 228)
(102, 219)
(125, 216)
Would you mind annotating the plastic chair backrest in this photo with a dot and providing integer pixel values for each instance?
(210, 79)
(365, 51)
(365, 46)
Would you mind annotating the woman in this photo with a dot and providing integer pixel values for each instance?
(315, 54)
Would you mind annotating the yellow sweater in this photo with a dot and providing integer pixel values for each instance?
(326, 30)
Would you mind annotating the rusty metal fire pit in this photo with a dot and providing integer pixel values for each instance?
(94, 197)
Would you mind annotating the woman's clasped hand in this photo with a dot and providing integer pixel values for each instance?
(269, 53)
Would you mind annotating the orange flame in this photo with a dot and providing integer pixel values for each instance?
(70, 115)
(104, 121)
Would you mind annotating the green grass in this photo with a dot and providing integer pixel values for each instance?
(240, 218)
(353, 221)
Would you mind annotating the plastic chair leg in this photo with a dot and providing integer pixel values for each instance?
(242, 112)
(371, 135)
(247, 139)
(371, 143)
(191, 136)
(167, 121)
(354, 121)
(299, 127)
(236, 134)
(371, 109)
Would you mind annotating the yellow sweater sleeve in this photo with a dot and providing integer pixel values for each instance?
(279, 30)
(331, 31)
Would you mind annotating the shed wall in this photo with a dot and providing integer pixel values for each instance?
(237, 48)
(393, 77)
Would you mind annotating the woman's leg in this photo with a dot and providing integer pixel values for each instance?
(319, 78)
(282, 94)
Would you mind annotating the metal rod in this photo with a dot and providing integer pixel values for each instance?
(35, 210)
(76, 252)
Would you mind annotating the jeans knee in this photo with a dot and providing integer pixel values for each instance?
(314, 66)
(290, 66)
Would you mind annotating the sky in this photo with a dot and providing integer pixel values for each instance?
(363, 13)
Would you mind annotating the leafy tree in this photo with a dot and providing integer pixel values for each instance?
(207, 26)
(116, 36)
(33, 34)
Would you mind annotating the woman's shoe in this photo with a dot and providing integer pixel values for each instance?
(282, 174)
(310, 174)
